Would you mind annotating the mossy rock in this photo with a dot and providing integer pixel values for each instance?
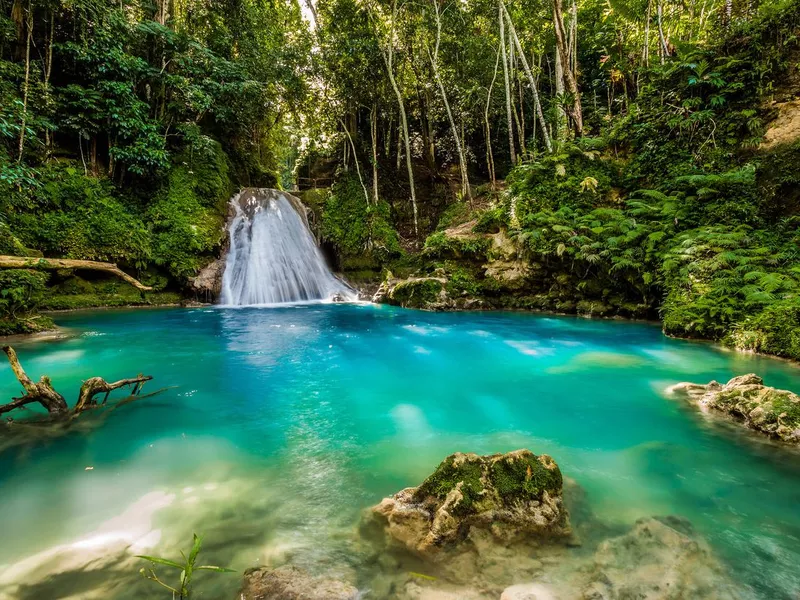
(423, 292)
(770, 411)
(511, 497)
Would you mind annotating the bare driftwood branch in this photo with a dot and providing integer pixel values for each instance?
(21, 262)
(97, 385)
(43, 392)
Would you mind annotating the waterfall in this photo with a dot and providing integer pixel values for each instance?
(273, 257)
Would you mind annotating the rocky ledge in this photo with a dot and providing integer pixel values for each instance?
(772, 412)
(511, 496)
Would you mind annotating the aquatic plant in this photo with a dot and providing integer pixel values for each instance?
(183, 589)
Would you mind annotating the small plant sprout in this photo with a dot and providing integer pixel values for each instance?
(183, 590)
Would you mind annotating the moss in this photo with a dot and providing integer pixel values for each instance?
(449, 474)
(490, 220)
(440, 245)
(492, 480)
(524, 477)
(784, 409)
(461, 281)
(417, 293)
(75, 293)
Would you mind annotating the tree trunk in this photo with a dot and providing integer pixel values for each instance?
(570, 77)
(26, 84)
(373, 129)
(662, 41)
(21, 262)
(537, 104)
(489, 153)
(646, 45)
(355, 160)
(388, 58)
(561, 115)
(509, 117)
(462, 161)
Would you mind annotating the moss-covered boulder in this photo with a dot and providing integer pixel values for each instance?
(427, 293)
(747, 400)
(510, 496)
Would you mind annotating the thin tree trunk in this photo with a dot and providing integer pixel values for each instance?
(561, 115)
(48, 69)
(489, 153)
(355, 160)
(510, 121)
(388, 57)
(663, 49)
(373, 129)
(570, 77)
(646, 45)
(26, 84)
(434, 58)
(537, 104)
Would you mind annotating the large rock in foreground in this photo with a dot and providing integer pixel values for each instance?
(770, 411)
(659, 559)
(292, 583)
(511, 496)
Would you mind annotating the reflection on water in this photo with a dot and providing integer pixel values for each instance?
(281, 425)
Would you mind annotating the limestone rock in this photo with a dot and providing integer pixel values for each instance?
(659, 559)
(292, 583)
(770, 411)
(207, 285)
(511, 496)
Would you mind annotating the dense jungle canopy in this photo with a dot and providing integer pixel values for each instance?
(602, 157)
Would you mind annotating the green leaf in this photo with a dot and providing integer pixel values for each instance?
(160, 561)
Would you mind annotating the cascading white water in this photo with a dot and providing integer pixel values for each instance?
(273, 258)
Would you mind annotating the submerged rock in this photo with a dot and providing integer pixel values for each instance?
(773, 412)
(659, 559)
(292, 583)
(510, 497)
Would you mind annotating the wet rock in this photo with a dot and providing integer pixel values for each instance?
(511, 497)
(292, 583)
(207, 285)
(659, 559)
(746, 399)
(528, 591)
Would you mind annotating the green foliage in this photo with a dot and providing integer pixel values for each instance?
(356, 227)
(417, 293)
(20, 291)
(74, 216)
(187, 217)
(441, 245)
(183, 589)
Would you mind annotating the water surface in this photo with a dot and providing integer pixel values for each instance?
(278, 426)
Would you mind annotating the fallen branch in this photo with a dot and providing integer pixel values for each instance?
(21, 262)
(97, 385)
(43, 392)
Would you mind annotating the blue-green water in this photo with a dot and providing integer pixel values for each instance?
(280, 425)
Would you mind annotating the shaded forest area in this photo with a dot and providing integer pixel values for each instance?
(628, 157)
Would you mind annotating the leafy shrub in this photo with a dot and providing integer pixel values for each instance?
(355, 227)
(20, 291)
